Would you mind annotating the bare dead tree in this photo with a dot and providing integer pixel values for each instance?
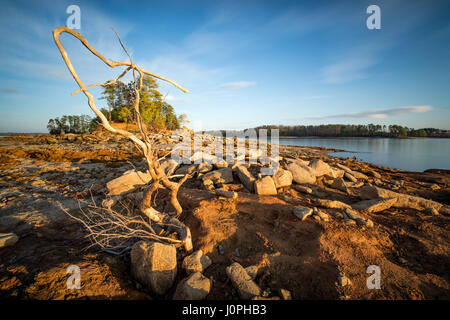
(144, 143)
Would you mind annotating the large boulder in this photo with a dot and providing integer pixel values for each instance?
(403, 200)
(221, 176)
(245, 177)
(242, 282)
(265, 186)
(194, 287)
(282, 178)
(154, 265)
(320, 168)
(196, 262)
(128, 181)
(301, 173)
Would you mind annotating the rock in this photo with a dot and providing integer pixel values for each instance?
(186, 169)
(126, 182)
(333, 204)
(322, 215)
(265, 186)
(339, 184)
(359, 175)
(245, 177)
(374, 205)
(283, 178)
(266, 298)
(8, 239)
(220, 163)
(252, 271)
(302, 213)
(285, 294)
(374, 174)
(242, 282)
(204, 167)
(154, 265)
(350, 222)
(302, 189)
(226, 194)
(343, 281)
(403, 200)
(320, 168)
(432, 211)
(196, 262)
(169, 166)
(223, 176)
(208, 184)
(301, 173)
(356, 174)
(350, 177)
(194, 287)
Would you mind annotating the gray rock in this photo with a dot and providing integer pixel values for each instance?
(302, 213)
(204, 167)
(8, 239)
(374, 205)
(302, 189)
(339, 184)
(226, 194)
(265, 186)
(333, 204)
(301, 173)
(242, 282)
(252, 271)
(403, 200)
(186, 169)
(282, 178)
(154, 265)
(221, 176)
(245, 177)
(350, 177)
(194, 287)
(320, 168)
(196, 262)
(128, 181)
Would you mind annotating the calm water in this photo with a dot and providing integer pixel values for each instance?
(408, 154)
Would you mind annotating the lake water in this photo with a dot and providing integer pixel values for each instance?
(416, 154)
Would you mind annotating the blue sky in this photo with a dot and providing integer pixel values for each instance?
(246, 63)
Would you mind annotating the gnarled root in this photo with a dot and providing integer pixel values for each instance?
(172, 224)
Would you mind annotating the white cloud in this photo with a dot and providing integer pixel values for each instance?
(237, 85)
(170, 97)
(379, 114)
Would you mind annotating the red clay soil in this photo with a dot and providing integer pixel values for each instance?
(305, 257)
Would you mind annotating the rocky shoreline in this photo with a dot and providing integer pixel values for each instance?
(309, 231)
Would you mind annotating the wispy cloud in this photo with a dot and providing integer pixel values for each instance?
(170, 97)
(8, 90)
(237, 85)
(378, 114)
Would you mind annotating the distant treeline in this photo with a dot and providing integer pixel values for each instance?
(71, 124)
(350, 130)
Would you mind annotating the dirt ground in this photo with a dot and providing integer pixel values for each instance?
(411, 248)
